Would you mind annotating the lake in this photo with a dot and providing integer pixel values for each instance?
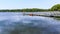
(17, 23)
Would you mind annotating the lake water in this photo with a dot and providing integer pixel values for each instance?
(16, 23)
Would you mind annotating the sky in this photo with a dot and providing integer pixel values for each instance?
(21, 4)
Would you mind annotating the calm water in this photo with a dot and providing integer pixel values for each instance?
(16, 23)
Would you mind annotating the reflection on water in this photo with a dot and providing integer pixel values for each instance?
(15, 23)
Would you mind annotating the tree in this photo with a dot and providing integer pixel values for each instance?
(56, 7)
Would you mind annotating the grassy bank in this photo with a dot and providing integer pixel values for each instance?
(57, 17)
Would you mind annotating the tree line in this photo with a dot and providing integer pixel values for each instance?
(53, 8)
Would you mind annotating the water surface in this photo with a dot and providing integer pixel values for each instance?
(16, 23)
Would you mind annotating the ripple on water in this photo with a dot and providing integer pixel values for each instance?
(16, 24)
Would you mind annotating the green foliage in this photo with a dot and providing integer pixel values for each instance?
(25, 10)
(56, 7)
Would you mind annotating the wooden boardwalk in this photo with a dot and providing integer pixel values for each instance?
(46, 14)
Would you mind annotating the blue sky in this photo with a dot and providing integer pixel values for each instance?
(20, 4)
